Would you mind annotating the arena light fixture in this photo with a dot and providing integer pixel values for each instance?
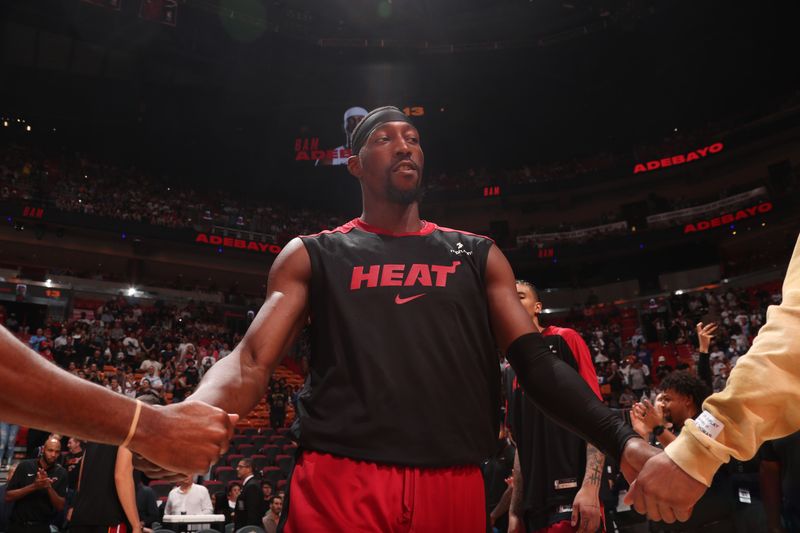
(131, 291)
(48, 282)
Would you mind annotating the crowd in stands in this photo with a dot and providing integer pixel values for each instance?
(634, 349)
(76, 184)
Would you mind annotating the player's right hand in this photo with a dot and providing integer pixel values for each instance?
(181, 439)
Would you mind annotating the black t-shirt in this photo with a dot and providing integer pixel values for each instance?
(403, 366)
(552, 459)
(72, 462)
(786, 451)
(36, 507)
(97, 502)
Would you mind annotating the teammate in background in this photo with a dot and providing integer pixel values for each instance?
(352, 117)
(106, 499)
(407, 317)
(557, 475)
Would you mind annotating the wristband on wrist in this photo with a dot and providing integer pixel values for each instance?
(134, 425)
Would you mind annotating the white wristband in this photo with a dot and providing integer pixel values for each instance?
(709, 425)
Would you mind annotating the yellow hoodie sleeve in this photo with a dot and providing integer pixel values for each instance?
(761, 400)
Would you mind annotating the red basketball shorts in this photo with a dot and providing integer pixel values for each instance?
(330, 494)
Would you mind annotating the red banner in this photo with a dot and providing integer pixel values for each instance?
(241, 244)
(679, 159)
(729, 218)
(163, 11)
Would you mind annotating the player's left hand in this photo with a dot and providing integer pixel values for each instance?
(586, 510)
(664, 492)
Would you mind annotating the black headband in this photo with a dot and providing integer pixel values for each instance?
(372, 121)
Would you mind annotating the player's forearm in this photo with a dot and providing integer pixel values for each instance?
(37, 393)
(55, 499)
(565, 397)
(593, 476)
(126, 490)
(235, 384)
(17, 494)
(515, 505)
(502, 506)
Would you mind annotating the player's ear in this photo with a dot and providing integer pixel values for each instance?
(354, 166)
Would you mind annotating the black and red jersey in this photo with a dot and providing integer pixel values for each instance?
(552, 459)
(403, 366)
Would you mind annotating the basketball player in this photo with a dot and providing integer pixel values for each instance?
(556, 474)
(399, 408)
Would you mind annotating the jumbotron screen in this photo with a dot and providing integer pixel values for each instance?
(324, 139)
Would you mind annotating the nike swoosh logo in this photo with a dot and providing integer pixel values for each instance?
(401, 301)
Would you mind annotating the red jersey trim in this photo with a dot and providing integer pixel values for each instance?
(344, 228)
(451, 230)
(581, 354)
(426, 229)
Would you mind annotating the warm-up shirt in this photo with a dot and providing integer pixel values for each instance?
(404, 368)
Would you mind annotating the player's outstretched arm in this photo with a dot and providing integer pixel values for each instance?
(551, 383)
(36, 393)
(239, 381)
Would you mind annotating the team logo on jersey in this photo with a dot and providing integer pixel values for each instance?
(460, 250)
(396, 275)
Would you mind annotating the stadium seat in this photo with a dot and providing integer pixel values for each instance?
(162, 488)
(259, 441)
(284, 462)
(270, 451)
(272, 474)
(233, 460)
(239, 440)
(224, 473)
(246, 450)
(259, 461)
(213, 486)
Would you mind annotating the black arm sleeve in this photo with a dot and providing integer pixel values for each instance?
(565, 397)
(704, 369)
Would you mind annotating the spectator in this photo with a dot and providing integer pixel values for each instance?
(273, 516)
(639, 378)
(8, 442)
(250, 506)
(35, 342)
(147, 394)
(226, 502)
(683, 396)
(277, 407)
(189, 498)
(146, 501)
(37, 489)
(153, 379)
(5, 507)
